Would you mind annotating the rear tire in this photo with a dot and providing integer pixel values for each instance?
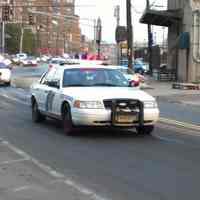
(67, 121)
(145, 130)
(37, 117)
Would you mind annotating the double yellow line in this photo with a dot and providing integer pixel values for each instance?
(179, 124)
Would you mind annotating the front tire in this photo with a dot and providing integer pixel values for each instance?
(145, 130)
(37, 117)
(67, 121)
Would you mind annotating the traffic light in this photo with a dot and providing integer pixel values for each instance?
(6, 13)
(31, 20)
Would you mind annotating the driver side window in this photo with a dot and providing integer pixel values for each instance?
(48, 77)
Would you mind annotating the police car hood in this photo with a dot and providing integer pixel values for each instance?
(101, 93)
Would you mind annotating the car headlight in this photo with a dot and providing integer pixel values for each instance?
(150, 104)
(88, 104)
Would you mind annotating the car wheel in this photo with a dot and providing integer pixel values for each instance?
(145, 130)
(8, 84)
(36, 115)
(140, 71)
(67, 121)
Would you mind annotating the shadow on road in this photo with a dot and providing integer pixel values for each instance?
(4, 85)
(97, 132)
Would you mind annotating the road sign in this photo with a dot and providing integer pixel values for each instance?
(120, 34)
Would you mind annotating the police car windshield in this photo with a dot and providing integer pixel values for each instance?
(94, 77)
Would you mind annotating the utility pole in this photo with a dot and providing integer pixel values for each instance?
(98, 37)
(3, 37)
(150, 41)
(5, 17)
(21, 39)
(117, 15)
(95, 27)
(129, 34)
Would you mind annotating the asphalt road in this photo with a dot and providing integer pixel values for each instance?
(119, 165)
(180, 112)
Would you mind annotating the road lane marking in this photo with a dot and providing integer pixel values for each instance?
(180, 124)
(19, 189)
(13, 161)
(58, 176)
(83, 190)
(14, 99)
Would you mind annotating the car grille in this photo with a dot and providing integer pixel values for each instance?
(123, 103)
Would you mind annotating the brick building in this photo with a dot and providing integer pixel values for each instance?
(59, 32)
(55, 24)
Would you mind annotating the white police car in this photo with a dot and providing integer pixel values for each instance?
(92, 96)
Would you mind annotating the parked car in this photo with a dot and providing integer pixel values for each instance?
(5, 74)
(55, 62)
(130, 75)
(92, 96)
(138, 66)
(4, 60)
(17, 59)
(21, 56)
(45, 58)
(29, 61)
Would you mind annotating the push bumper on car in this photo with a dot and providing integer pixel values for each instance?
(104, 117)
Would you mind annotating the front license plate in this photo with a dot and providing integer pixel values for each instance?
(126, 118)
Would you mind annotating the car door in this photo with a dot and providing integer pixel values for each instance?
(57, 93)
(45, 91)
(38, 89)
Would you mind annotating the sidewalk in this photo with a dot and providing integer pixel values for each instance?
(22, 177)
(175, 104)
(163, 92)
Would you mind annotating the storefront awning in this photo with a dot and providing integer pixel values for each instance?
(161, 18)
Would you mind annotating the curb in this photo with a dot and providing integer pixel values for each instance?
(180, 124)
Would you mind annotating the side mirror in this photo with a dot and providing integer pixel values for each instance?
(55, 84)
(134, 83)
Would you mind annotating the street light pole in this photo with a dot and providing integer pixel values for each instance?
(98, 37)
(117, 15)
(94, 43)
(129, 34)
(3, 37)
(149, 41)
(21, 39)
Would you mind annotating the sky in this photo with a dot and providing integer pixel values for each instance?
(88, 10)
